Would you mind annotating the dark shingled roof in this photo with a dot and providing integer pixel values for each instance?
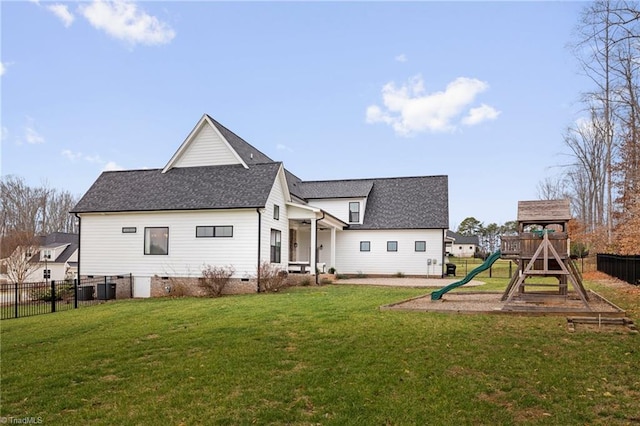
(244, 149)
(337, 188)
(463, 239)
(392, 203)
(58, 239)
(189, 188)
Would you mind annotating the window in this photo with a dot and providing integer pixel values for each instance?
(46, 254)
(129, 230)
(392, 246)
(354, 212)
(276, 244)
(156, 240)
(365, 245)
(276, 212)
(421, 246)
(470, 247)
(214, 231)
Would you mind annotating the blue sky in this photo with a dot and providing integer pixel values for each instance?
(478, 91)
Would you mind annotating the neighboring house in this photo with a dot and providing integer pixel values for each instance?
(58, 254)
(459, 245)
(220, 201)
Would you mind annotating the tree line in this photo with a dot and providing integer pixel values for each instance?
(602, 176)
(30, 211)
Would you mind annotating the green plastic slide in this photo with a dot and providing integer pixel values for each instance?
(437, 295)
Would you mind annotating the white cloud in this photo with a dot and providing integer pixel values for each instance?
(91, 159)
(111, 166)
(401, 58)
(478, 115)
(410, 109)
(32, 136)
(123, 20)
(62, 12)
(283, 147)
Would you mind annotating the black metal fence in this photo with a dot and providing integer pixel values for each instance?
(27, 299)
(625, 268)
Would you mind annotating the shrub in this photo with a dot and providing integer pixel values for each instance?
(43, 292)
(361, 274)
(215, 278)
(272, 278)
(325, 281)
(399, 275)
(305, 282)
(332, 270)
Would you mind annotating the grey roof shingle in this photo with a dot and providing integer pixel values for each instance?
(463, 239)
(353, 188)
(189, 188)
(246, 151)
(420, 202)
(392, 203)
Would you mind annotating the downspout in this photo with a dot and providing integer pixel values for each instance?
(259, 237)
(444, 245)
(79, 239)
(317, 251)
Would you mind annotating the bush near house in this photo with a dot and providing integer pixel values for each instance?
(215, 278)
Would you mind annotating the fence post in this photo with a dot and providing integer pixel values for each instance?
(510, 272)
(16, 300)
(53, 295)
(75, 293)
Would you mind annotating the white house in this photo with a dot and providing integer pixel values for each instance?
(460, 245)
(56, 256)
(220, 201)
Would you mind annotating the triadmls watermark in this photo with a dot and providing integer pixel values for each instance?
(24, 420)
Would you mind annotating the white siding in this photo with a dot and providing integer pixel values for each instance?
(339, 207)
(350, 260)
(276, 197)
(105, 250)
(206, 149)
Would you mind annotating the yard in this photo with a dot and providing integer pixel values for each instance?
(317, 355)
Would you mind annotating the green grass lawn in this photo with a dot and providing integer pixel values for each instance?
(313, 355)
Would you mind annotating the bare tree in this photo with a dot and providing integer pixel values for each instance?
(34, 210)
(20, 264)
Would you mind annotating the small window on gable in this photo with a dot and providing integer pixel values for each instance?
(470, 247)
(392, 246)
(421, 246)
(276, 212)
(354, 212)
(365, 245)
(214, 231)
(129, 230)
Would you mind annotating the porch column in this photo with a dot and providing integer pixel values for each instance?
(314, 246)
(333, 248)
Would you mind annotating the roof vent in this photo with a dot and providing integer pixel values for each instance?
(251, 155)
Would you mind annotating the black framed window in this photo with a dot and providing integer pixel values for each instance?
(354, 212)
(129, 230)
(276, 246)
(421, 246)
(276, 212)
(365, 245)
(214, 231)
(156, 240)
(392, 246)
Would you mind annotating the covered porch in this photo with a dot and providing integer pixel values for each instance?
(312, 239)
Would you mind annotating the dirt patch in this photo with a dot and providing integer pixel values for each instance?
(490, 302)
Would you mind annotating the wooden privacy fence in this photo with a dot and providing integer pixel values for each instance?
(625, 268)
(28, 299)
